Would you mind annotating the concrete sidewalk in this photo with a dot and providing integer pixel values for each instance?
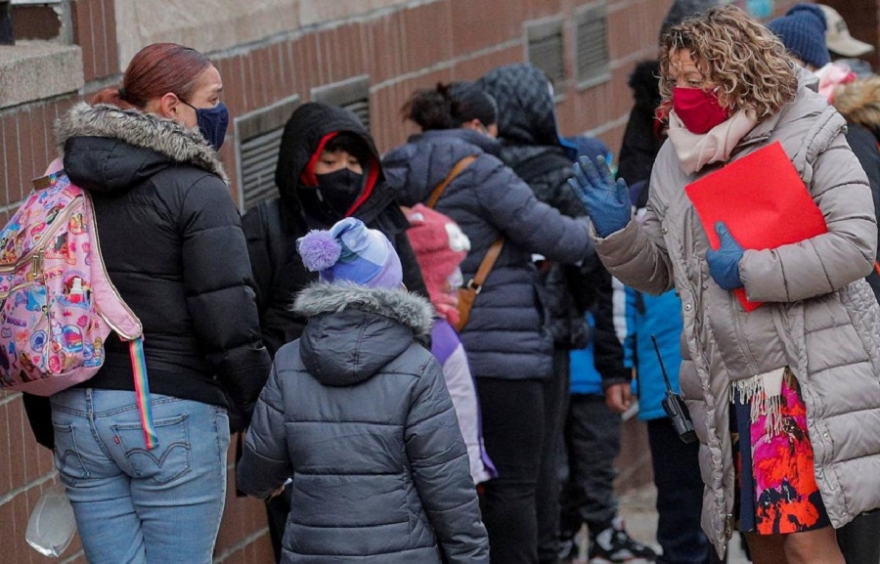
(637, 510)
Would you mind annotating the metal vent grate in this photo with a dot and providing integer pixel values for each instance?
(258, 138)
(591, 40)
(546, 50)
(352, 94)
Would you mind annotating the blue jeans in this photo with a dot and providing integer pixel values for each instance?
(135, 506)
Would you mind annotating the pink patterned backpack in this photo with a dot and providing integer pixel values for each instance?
(57, 304)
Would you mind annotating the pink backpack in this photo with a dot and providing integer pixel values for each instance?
(57, 304)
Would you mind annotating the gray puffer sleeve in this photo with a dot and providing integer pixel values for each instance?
(828, 262)
(529, 223)
(441, 472)
(265, 463)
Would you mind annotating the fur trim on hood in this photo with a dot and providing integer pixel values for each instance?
(406, 308)
(139, 129)
(859, 102)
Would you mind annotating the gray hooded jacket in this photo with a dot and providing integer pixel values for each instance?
(357, 413)
(820, 317)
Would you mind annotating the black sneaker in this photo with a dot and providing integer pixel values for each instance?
(614, 545)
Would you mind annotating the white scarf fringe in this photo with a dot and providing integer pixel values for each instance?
(763, 392)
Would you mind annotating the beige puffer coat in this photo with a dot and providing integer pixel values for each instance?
(823, 320)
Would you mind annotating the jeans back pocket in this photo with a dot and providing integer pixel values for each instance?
(68, 459)
(170, 459)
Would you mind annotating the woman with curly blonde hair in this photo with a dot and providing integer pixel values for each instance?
(785, 398)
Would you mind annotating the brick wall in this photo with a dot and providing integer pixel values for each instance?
(401, 48)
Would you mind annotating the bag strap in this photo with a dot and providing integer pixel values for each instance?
(142, 391)
(476, 283)
(456, 170)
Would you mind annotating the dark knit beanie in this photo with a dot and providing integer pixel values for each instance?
(683, 9)
(802, 31)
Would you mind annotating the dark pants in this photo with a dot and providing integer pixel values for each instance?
(859, 539)
(592, 442)
(547, 492)
(679, 497)
(277, 510)
(513, 430)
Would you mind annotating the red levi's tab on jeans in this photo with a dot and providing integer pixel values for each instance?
(762, 200)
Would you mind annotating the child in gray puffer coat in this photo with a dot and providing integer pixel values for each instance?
(357, 413)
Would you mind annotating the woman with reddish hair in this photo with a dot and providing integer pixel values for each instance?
(146, 152)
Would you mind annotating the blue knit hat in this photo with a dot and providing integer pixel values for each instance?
(349, 251)
(802, 31)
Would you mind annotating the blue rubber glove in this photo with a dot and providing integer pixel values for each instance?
(607, 201)
(724, 263)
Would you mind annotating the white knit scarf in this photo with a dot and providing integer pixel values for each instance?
(696, 151)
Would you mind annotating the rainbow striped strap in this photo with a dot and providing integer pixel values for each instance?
(142, 391)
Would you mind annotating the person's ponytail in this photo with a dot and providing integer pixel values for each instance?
(112, 96)
(431, 108)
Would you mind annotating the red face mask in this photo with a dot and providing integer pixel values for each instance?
(698, 109)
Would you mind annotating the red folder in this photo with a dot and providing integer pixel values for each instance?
(762, 200)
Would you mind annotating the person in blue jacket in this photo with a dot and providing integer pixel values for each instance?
(675, 463)
(592, 441)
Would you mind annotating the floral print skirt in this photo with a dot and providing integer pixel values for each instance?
(777, 490)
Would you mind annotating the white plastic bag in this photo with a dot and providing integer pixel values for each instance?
(52, 525)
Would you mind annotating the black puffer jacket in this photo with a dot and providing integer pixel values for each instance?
(507, 336)
(532, 147)
(358, 414)
(864, 145)
(173, 247)
(273, 227)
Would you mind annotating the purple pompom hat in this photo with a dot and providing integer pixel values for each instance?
(349, 251)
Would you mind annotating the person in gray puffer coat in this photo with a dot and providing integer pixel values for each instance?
(508, 343)
(815, 341)
(357, 414)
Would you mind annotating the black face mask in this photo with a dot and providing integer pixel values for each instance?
(339, 189)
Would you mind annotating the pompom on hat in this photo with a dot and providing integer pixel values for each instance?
(802, 31)
(349, 251)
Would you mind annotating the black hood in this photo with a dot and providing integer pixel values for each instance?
(526, 110)
(645, 84)
(309, 125)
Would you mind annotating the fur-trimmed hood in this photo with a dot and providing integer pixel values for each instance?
(353, 331)
(859, 102)
(118, 146)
